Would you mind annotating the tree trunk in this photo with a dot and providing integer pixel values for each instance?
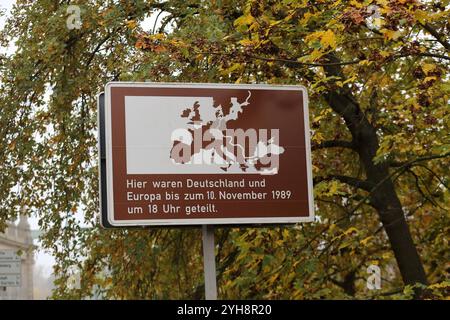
(383, 197)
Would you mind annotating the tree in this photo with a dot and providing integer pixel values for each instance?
(377, 74)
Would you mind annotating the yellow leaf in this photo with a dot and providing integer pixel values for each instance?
(351, 79)
(131, 24)
(158, 36)
(336, 3)
(246, 19)
(378, 22)
(366, 240)
(254, 26)
(289, 17)
(317, 137)
(318, 118)
(333, 188)
(427, 67)
(443, 284)
(386, 255)
(384, 3)
(344, 245)
(385, 80)
(365, 62)
(384, 54)
(313, 36)
(421, 16)
(274, 22)
(273, 278)
(305, 18)
(356, 4)
(350, 230)
(316, 54)
(246, 42)
(232, 68)
(328, 39)
(390, 34)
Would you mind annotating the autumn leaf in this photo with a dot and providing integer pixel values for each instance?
(390, 34)
(328, 39)
(131, 24)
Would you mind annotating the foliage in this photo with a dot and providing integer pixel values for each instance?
(395, 65)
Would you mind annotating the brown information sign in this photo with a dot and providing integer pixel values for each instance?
(185, 154)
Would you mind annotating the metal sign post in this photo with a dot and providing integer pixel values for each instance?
(209, 262)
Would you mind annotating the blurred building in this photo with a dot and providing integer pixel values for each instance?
(18, 237)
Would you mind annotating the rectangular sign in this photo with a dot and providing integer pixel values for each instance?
(9, 255)
(10, 267)
(190, 154)
(9, 280)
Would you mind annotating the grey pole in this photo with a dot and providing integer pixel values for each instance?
(209, 262)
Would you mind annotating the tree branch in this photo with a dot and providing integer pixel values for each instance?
(434, 175)
(436, 35)
(432, 55)
(420, 189)
(398, 172)
(312, 64)
(411, 163)
(333, 144)
(351, 181)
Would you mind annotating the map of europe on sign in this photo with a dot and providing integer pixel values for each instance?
(168, 149)
(180, 154)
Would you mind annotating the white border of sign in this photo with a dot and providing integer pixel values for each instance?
(215, 221)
